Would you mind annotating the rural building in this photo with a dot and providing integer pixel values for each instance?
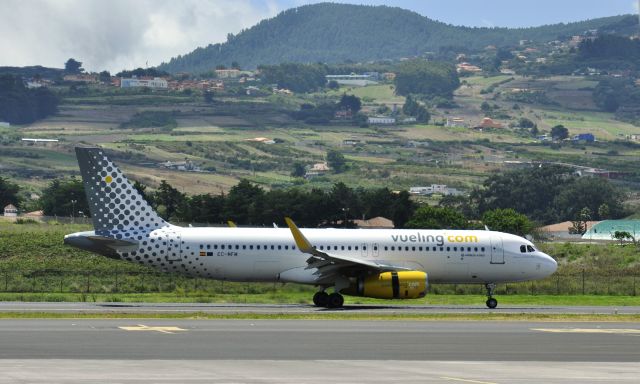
(228, 73)
(317, 169)
(433, 189)
(605, 230)
(353, 79)
(262, 140)
(10, 211)
(375, 223)
(82, 78)
(562, 230)
(488, 122)
(454, 122)
(155, 83)
(586, 137)
(468, 68)
(186, 165)
(381, 120)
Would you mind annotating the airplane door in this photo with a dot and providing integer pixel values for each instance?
(497, 251)
(374, 249)
(365, 252)
(173, 246)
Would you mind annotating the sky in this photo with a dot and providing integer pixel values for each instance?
(126, 34)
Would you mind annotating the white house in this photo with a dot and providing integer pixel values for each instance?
(10, 211)
(156, 83)
(381, 120)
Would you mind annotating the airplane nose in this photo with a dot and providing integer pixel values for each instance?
(549, 265)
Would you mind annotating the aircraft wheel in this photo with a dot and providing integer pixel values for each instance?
(320, 299)
(335, 300)
(492, 303)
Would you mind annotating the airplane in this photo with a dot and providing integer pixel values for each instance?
(376, 263)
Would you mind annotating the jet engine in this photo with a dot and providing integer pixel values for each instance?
(390, 285)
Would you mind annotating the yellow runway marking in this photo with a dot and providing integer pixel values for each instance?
(141, 327)
(619, 331)
(466, 380)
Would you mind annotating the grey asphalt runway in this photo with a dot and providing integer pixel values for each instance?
(301, 308)
(316, 351)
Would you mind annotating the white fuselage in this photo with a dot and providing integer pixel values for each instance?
(270, 254)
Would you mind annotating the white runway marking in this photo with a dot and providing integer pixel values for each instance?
(618, 331)
(142, 327)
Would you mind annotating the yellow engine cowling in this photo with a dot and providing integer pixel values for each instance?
(390, 285)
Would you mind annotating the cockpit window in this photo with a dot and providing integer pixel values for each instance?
(523, 248)
(530, 248)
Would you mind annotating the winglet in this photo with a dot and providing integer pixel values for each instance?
(303, 244)
(231, 224)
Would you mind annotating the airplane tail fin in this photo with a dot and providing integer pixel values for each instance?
(117, 208)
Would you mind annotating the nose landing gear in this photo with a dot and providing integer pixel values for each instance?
(491, 302)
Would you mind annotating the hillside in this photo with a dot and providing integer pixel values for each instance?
(334, 33)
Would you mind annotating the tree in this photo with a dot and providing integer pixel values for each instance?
(507, 220)
(622, 236)
(73, 67)
(604, 211)
(8, 193)
(208, 96)
(62, 196)
(430, 217)
(105, 76)
(298, 170)
(168, 200)
(333, 84)
(523, 122)
(426, 78)
(559, 132)
(336, 161)
(350, 102)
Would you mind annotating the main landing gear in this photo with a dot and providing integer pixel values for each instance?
(323, 299)
(491, 302)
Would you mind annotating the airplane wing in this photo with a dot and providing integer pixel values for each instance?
(329, 264)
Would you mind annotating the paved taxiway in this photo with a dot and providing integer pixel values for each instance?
(301, 308)
(316, 351)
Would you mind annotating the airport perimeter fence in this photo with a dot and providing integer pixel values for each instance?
(93, 282)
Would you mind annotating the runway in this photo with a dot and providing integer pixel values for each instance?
(318, 340)
(313, 351)
(211, 308)
(282, 351)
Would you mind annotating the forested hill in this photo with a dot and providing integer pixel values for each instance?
(335, 33)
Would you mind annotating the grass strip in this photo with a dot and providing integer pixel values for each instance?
(333, 316)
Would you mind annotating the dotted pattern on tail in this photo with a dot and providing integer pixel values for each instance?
(117, 208)
(119, 211)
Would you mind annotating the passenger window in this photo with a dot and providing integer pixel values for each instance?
(208, 246)
(420, 249)
(237, 246)
(385, 248)
(201, 246)
(393, 248)
(357, 248)
(448, 249)
(272, 247)
(244, 247)
(349, 248)
(413, 249)
(523, 248)
(434, 249)
(482, 249)
(221, 246)
(279, 246)
(257, 246)
(251, 246)
(286, 247)
(455, 249)
(342, 247)
(335, 247)
(321, 247)
(406, 248)
(530, 248)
